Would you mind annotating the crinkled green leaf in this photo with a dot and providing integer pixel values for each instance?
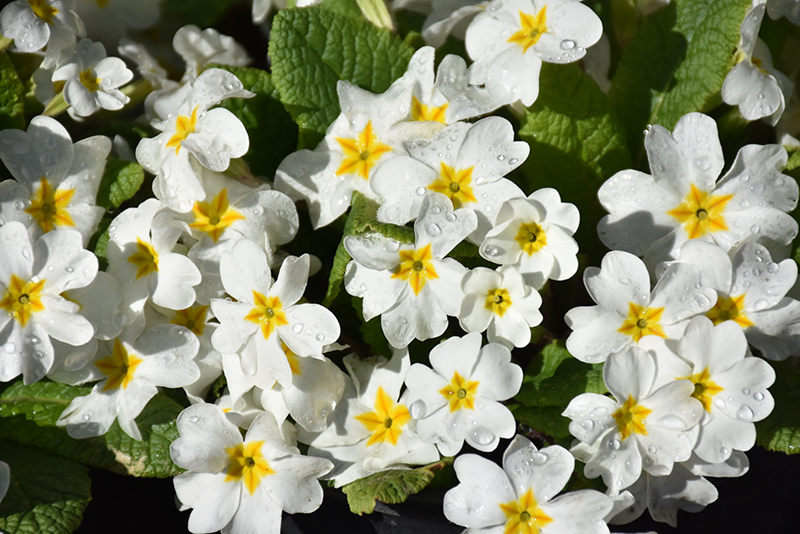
(794, 161)
(781, 430)
(343, 7)
(576, 141)
(312, 49)
(391, 487)
(121, 180)
(676, 64)
(272, 132)
(28, 415)
(12, 96)
(47, 494)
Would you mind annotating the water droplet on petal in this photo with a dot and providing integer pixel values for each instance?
(297, 328)
(418, 409)
(482, 436)
(745, 413)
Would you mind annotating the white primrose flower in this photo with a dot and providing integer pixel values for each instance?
(147, 65)
(199, 48)
(262, 8)
(370, 430)
(465, 162)
(242, 486)
(501, 302)
(31, 23)
(161, 356)
(57, 180)
(521, 497)
(109, 20)
(510, 39)
(460, 398)
(413, 287)
(759, 90)
(450, 17)
(92, 80)
(788, 8)
(751, 291)
(731, 385)
(140, 255)
(642, 427)
(684, 200)
(535, 235)
(193, 134)
(32, 278)
(627, 310)
(266, 314)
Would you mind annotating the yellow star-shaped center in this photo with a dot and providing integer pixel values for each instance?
(387, 421)
(43, 10)
(421, 112)
(361, 153)
(416, 266)
(48, 207)
(524, 516)
(460, 392)
(729, 309)
(247, 463)
(215, 216)
(22, 299)
(119, 367)
(89, 80)
(267, 312)
(701, 213)
(704, 387)
(193, 318)
(531, 238)
(145, 259)
(642, 321)
(184, 125)
(455, 184)
(531, 29)
(498, 301)
(630, 418)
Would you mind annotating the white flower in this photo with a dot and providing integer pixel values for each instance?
(511, 38)
(464, 162)
(502, 302)
(370, 430)
(266, 314)
(200, 48)
(641, 427)
(192, 134)
(535, 235)
(57, 180)
(759, 90)
(92, 80)
(519, 498)
(652, 216)
(147, 65)
(789, 8)
(161, 356)
(627, 310)
(140, 256)
(262, 8)
(751, 291)
(32, 279)
(241, 486)
(460, 398)
(450, 17)
(413, 287)
(30, 23)
(731, 385)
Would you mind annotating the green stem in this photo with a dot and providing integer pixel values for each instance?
(56, 106)
(137, 91)
(377, 13)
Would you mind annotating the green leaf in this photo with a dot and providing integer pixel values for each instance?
(576, 141)
(12, 96)
(272, 132)
(348, 8)
(121, 180)
(391, 487)
(312, 49)
(47, 494)
(28, 415)
(781, 430)
(676, 64)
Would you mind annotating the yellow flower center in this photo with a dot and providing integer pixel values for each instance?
(183, 127)
(145, 259)
(267, 312)
(524, 516)
(89, 80)
(43, 10)
(729, 309)
(642, 321)
(421, 112)
(387, 421)
(630, 418)
(455, 184)
(460, 393)
(22, 299)
(362, 153)
(704, 387)
(193, 318)
(118, 367)
(531, 238)
(531, 29)
(700, 213)
(498, 301)
(215, 216)
(49, 208)
(416, 266)
(246, 463)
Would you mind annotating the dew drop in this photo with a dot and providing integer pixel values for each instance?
(451, 217)
(482, 435)
(433, 229)
(671, 421)
(420, 191)
(567, 44)
(418, 409)
(745, 413)
(615, 444)
(745, 391)
(758, 396)
(652, 449)
(501, 158)
(297, 328)
(320, 337)
(539, 458)
(587, 424)
(761, 304)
